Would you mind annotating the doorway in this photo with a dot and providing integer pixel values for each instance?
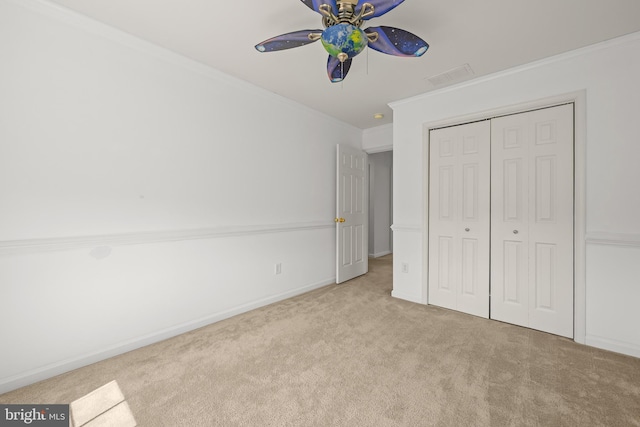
(380, 203)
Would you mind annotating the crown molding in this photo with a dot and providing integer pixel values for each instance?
(618, 41)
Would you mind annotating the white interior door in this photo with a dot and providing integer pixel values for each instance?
(352, 204)
(459, 217)
(532, 220)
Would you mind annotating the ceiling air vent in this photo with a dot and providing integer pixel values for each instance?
(454, 75)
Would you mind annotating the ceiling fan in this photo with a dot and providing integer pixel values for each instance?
(343, 38)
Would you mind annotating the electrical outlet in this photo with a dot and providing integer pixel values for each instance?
(278, 268)
(405, 267)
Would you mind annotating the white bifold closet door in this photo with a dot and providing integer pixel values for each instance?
(532, 219)
(459, 218)
(501, 219)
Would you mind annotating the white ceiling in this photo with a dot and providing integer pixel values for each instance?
(489, 35)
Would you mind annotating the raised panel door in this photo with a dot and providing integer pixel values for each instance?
(352, 215)
(532, 220)
(459, 218)
(509, 216)
(551, 225)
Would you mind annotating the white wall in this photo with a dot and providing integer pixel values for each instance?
(380, 203)
(608, 72)
(378, 139)
(143, 194)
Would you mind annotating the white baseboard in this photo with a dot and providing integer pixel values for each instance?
(407, 297)
(621, 347)
(379, 254)
(49, 371)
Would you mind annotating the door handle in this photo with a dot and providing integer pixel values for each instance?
(515, 231)
(467, 229)
(339, 220)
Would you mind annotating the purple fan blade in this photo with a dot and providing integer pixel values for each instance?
(337, 70)
(394, 41)
(287, 41)
(381, 6)
(315, 4)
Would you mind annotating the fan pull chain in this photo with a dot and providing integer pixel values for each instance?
(367, 62)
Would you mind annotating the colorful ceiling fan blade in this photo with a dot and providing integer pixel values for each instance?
(381, 7)
(287, 41)
(337, 70)
(397, 42)
(315, 4)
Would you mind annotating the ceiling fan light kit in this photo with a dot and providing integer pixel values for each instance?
(343, 37)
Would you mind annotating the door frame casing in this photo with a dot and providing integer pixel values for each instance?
(578, 99)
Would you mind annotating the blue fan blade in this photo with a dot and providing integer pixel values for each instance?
(315, 4)
(381, 6)
(394, 41)
(287, 41)
(337, 70)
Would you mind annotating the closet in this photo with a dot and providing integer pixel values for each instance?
(501, 215)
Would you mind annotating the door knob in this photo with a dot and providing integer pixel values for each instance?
(466, 229)
(339, 220)
(515, 231)
(342, 220)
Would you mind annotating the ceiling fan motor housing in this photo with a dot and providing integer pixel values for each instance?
(344, 41)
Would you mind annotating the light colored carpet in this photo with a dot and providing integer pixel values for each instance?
(103, 407)
(351, 355)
